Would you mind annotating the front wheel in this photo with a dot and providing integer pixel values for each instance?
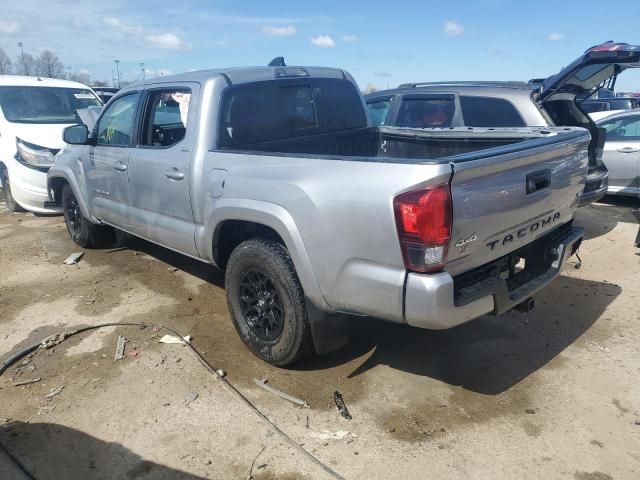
(266, 302)
(11, 203)
(81, 230)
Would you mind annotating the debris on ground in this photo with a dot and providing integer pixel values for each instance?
(250, 476)
(530, 411)
(191, 397)
(45, 410)
(174, 339)
(342, 408)
(120, 348)
(339, 435)
(74, 258)
(221, 372)
(263, 384)
(55, 339)
(172, 269)
(27, 382)
(53, 392)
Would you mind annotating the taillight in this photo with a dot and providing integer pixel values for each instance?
(423, 219)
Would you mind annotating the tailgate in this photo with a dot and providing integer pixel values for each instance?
(506, 197)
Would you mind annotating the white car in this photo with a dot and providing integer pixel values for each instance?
(33, 113)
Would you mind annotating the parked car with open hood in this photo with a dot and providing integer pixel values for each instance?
(33, 113)
(543, 102)
(276, 175)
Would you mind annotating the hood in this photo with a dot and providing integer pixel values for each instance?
(597, 65)
(44, 135)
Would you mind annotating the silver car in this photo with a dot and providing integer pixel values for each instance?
(622, 152)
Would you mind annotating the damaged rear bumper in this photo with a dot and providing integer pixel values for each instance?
(441, 301)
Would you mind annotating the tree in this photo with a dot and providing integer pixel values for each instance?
(49, 65)
(26, 64)
(100, 83)
(5, 63)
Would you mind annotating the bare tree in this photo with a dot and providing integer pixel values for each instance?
(100, 83)
(26, 64)
(81, 77)
(5, 63)
(49, 65)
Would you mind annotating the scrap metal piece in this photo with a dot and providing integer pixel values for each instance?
(73, 258)
(263, 384)
(53, 392)
(342, 408)
(174, 339)
(27, 382)
(120, 348)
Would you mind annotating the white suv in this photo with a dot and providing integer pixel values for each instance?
(33, 113)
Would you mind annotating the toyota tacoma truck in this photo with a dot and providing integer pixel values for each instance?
(277, 176)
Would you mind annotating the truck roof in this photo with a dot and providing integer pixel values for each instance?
(499, 89)
(238, 75)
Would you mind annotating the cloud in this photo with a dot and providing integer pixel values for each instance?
(117, 24)
(452, 29)
(167, 41)
(281, 31)
(323, 41)
(350, 38)
(499, 52)
(9, 27)
(382, 74)
(556, 37)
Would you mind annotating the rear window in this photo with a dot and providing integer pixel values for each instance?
(426, 112)
(379, 109)
(279, 109)
(620, 103)
(489, 112)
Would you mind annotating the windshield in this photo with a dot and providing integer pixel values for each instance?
(44, 104)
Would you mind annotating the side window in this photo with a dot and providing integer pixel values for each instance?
(426, 112)
(489, 112)
(623, 128)
(116, 124)
(379, 109)
(165, 117)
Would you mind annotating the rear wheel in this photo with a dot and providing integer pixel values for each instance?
(12, 205)
(266, 302)
(81, 230)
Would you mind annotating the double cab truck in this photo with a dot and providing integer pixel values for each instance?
(277, 176)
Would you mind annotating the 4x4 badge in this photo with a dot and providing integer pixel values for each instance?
(463, 244)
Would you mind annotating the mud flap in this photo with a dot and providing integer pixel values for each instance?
(330, 331)
(636, 213)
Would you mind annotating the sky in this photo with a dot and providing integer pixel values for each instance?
(380, 43)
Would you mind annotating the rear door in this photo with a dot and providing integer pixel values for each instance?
(622, 153)
(160, 168)
(503, 201)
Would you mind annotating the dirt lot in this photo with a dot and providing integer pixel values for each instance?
(550, 394)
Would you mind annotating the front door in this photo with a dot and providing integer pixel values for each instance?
(622, 153)
(107, 172)
(160, 169)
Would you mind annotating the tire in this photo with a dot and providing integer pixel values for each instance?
(12, 205)
(266, 302)
(81, 230)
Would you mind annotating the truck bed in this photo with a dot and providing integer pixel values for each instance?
(401, 145)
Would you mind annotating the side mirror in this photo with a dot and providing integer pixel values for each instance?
(76, 135)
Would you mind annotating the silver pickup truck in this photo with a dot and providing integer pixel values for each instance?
(276, 175)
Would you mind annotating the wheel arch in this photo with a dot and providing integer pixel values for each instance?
(56, 182)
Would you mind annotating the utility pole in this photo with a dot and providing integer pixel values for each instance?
(141, 70)
(118, 73)
(22, 57)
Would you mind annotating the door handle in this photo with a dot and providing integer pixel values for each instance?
(174, 174)
(538, 181)
(628, 150)
(121, 167)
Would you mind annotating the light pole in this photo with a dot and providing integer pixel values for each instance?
(141, 70)
(118, 72)
(24, 67)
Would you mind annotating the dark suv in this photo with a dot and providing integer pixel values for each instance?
(474, 104)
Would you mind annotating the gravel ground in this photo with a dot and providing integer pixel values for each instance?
(549, 394)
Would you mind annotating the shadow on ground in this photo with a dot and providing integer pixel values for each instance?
(488, 355)
(603, 216)
(53, 452)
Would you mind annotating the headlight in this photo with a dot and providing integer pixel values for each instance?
(34, 155)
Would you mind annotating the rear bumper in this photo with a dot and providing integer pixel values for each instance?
(440, 301)
(595, 188)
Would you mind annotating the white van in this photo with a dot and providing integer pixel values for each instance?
(33, 113)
